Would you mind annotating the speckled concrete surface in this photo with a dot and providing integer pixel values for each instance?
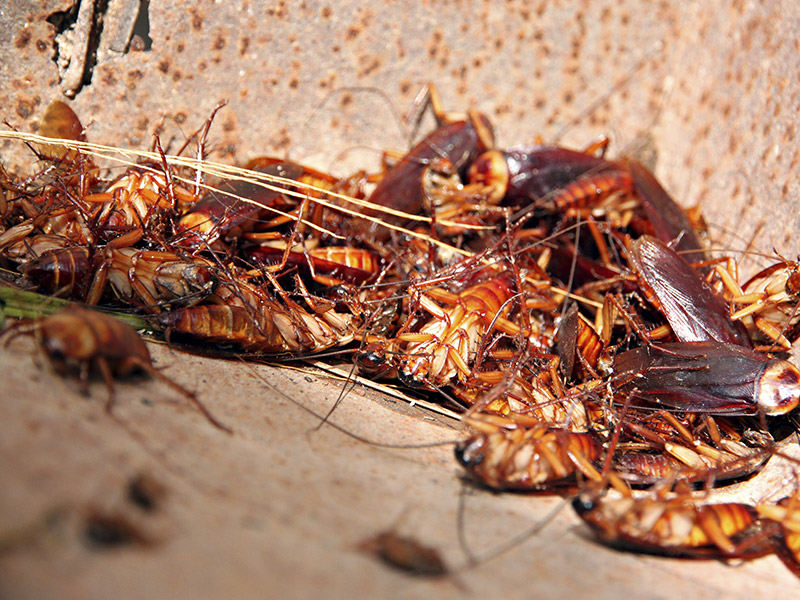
(277, 510)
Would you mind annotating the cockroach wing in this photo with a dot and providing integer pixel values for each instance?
(690, 305)
(669, 221)
(709, 377)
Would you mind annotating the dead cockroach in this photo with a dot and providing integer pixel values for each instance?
(710, 377)
(247, 316)
(232, 210)
(328, 265)
(443, 348)
(676, 526)
(526, 455)
(692, 308)
(456, 142)
(81, 339)
(787, 542)
(771, 298)
(138, 202)
(405, 554)
(521, 175)
(143, 278)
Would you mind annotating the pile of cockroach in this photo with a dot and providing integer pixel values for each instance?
(562, 301)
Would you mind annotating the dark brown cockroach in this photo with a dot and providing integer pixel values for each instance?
(64, 272)
(521, 175)
(710, 377)
(677, 526)
(81, 339)
(455, 142)
(234, 209)
(668, 221)
(405, 554)
(692, 308)
(527, 458)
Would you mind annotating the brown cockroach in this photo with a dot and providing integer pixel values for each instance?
(456, 142)
(66, 272)
(147, 279)
(231, 210)
(82, 339)
(675, 526)
(521, 175)
(406, 554)
(328, 265)
(692, 308)
(524, 454)
(787, 542)
(247, 316)
(136, 202)
(444, 347)
(771, 297)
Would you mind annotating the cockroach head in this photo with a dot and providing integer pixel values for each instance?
(778, 388)
(584, 502)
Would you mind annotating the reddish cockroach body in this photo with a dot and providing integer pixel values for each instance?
(785, 514)
(234, 209)
(678, 526)
(522, 175)
(248, 317)
(527, 458)
(81, 339)
(328, 266)
(444, 347)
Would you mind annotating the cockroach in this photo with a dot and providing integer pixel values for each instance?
(692, 308)
(328, 266)
(527, 458)
(772, 298)
(152, 279)
(406, 554)
(136, 202)
(785, 514)
(148, 279)
(668, 221)
(443, 348)
(82, 339)
(677, 526)
(455, 142)
(248, 317)
(521, 175)
(233, 209)
(66, 272)
(709, 377)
